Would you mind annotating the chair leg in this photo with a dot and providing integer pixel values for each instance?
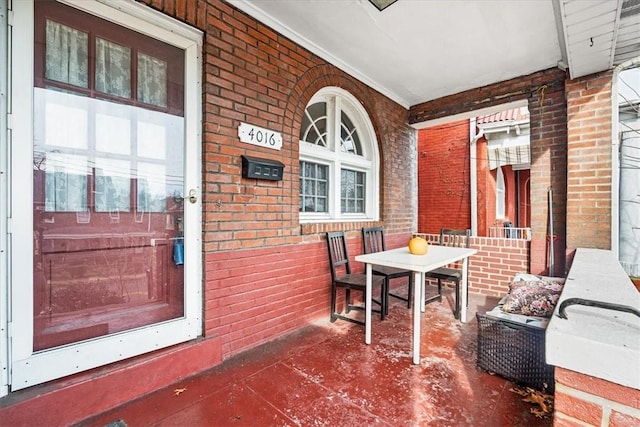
(347, 300)
(410, 290)
(439, 290)
(457, 312)
(384, 299)
(333, 303)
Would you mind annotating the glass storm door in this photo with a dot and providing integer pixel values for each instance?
(111, 230)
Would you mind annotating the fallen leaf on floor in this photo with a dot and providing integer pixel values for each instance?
(518, 390)
(177, 391)
(537, 397)
(538, 413)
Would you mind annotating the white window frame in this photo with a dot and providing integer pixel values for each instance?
(339, 100)
(500, 194)
(26, 366)
(617, 132)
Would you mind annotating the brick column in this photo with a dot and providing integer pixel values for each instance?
(589, 162)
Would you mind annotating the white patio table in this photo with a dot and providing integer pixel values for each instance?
(437, 256)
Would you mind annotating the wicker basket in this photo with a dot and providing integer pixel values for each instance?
(514, 351)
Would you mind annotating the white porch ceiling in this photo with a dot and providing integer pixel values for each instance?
(419, 50)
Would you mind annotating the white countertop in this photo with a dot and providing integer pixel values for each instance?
(595, 341)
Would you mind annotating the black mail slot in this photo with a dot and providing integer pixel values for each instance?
(253, 167)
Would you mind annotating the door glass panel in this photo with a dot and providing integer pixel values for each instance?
(108, 182)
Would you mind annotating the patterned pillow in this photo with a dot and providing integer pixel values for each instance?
(532, 297)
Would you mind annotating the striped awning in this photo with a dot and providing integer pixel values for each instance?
(509, 151)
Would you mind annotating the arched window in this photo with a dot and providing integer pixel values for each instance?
(500, 194)
(338, 160)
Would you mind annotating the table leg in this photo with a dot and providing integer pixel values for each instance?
(418, 301)
(368, 302)
(423, 294)
(463, 291)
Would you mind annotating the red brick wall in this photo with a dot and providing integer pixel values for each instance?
(265, 273)
(589, 158)
(575, 161)
(443, 180)
(257, 294)
(583, 400)
(545, 93)
(495, 264)
(443, 177)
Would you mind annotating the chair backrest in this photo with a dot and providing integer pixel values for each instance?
(457, 238)
(338, 255)
(373, 240)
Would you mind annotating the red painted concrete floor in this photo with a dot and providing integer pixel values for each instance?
(325, 375)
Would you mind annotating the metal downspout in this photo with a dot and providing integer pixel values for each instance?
(473, 173)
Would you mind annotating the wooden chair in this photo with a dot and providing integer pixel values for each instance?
(373, 241)
(342, 277)
(456, 238)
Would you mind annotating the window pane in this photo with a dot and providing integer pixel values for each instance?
(322, 189)
(352, 191)
(349, 140)
(321, 205)
(309, 169)
(113, 68)
(152, 80)
(322, 173)
(309, 188)
(314, 124)
(67, 55)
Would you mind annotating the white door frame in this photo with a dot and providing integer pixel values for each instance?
(4, 199)
(23, 367)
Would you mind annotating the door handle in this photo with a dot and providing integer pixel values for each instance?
(192, 195)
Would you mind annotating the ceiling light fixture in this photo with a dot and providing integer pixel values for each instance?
(382, 4)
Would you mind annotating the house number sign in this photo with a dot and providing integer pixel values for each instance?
(258, 136)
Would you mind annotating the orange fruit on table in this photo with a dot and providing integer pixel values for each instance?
(418, 246)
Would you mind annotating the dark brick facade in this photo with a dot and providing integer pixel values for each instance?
(545, 94)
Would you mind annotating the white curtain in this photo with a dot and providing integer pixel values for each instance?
(113, 68)
(67, 55)
(152, 80)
